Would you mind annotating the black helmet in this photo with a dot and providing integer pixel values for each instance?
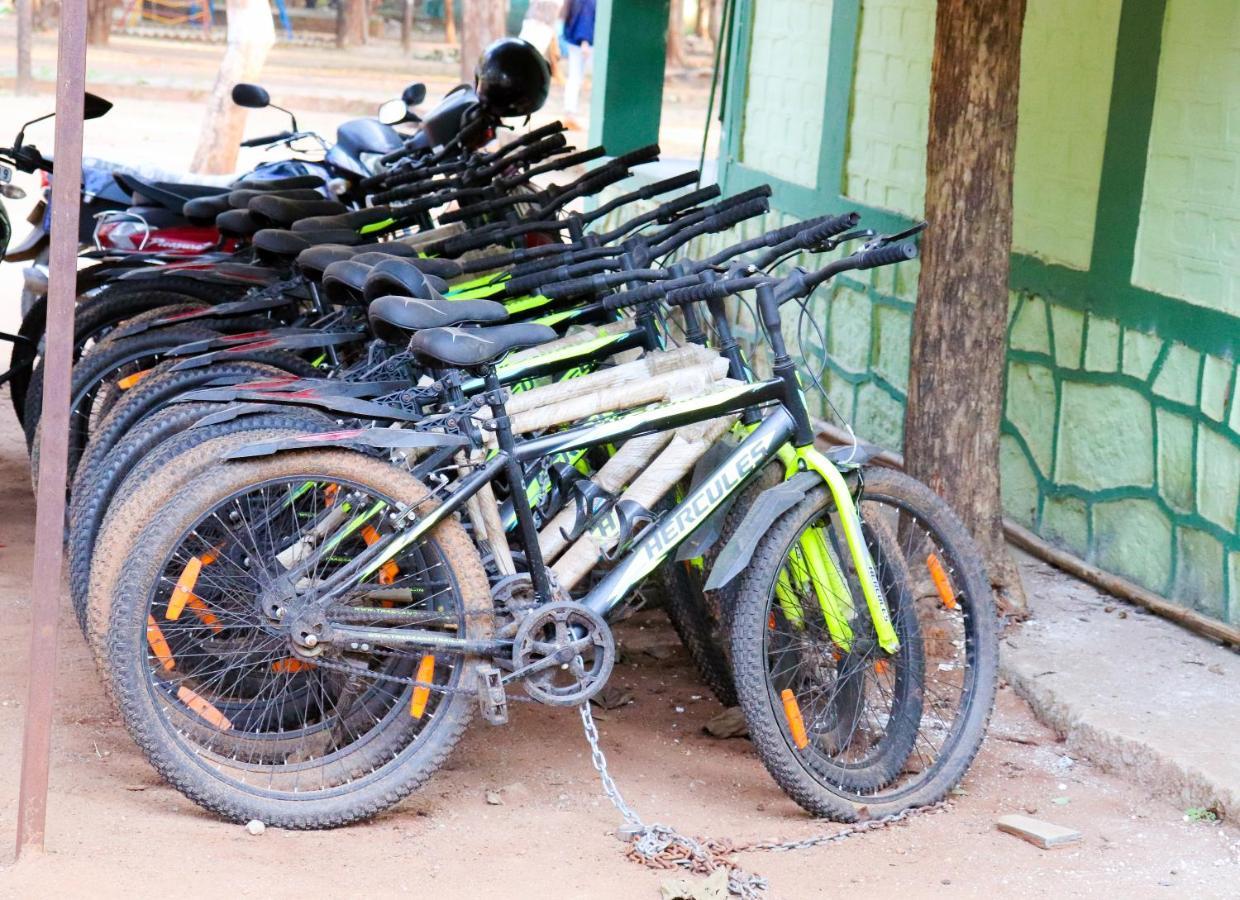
(512, 78)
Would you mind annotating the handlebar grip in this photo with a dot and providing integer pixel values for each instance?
(668, 212)
(388, 158)
(267, 139)
(707, 290)
(735, 215)
(829, 228)
(515, 287)
(885, 256)
(649, 153)
(634, 296)
(576, 287)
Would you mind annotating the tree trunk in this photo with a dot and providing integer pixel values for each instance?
(351, 20)
(716, 19)
(955, 397)
(449, 21)
(406, 27)
(251, 34)
(98, 21)
(25, 33)
(701, 24)
(676, 35)
(483, 22)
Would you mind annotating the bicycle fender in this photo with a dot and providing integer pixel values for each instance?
(362, 439)
(770, 505)
(707, 534)
(331, 402)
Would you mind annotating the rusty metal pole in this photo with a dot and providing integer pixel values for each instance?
(53, 467)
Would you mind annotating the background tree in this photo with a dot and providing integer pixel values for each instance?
(955, 398)
(98, 21)
(25, 34)
(676, 34)
(449, 21)
(351, 23)
(482, 21)
(251, 34)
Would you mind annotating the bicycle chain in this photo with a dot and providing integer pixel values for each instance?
(659, 846)
(407, 680)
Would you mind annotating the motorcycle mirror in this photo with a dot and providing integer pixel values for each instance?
(393, 112)
(414, 94)
(250, 96)
(95, 106)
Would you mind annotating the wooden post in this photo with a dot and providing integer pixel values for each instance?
(406, 27)
(955, 396)
(629, 57)
(53, 460)
(25, 34)
(251, 34)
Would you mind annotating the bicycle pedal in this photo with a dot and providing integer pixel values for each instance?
(491, 696)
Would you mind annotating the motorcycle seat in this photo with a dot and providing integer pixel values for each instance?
(467, 348)
(395, 319)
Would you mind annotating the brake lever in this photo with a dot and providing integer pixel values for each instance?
(907, 233)
(832, 242)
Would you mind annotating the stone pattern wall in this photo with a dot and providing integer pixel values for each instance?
(784, 103)
(1125, 449)
(1189, 240)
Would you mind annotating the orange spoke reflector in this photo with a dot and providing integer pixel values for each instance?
(770, 621)
(329, 494)
(426, 671)
(203, 708)
(881, 667)
(796, 724)
(130, 380)
(291, 664)
(159, 645)
(204, 614)
(941, 582)
(184, 589)
(389, 571)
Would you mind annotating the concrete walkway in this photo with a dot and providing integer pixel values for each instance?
(1134, 693)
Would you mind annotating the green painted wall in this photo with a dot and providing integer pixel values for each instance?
(783, 106)
(1189, 242)
(1122, 432)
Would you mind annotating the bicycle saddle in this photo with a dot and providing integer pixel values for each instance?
(280, 242)
(399, 277)
(343, 281)
(354, 221)
(395, 319)
(284, 212)
(467, 348)
(237, 223)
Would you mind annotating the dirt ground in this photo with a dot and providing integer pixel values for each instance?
(116, 830)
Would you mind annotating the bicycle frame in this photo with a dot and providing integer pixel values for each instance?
(778, 433)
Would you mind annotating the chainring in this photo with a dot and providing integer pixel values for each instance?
(564, 653)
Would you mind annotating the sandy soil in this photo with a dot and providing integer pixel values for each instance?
(114, 827)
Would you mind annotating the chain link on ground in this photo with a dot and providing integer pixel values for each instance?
(663, 847)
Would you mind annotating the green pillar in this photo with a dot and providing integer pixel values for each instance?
(630, 49)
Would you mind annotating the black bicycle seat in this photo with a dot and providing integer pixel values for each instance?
(467, 348)
(394, 319)
(354, 221)
(284, 212)
(400, 277)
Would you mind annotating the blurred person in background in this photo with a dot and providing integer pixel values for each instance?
(578, 18)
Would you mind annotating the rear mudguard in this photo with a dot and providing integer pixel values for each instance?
(770, 505)
(215, 272)
(317, 398)
(220, 349)
(244, 306)
(707, 534)
(362, 439)
(228, 389)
